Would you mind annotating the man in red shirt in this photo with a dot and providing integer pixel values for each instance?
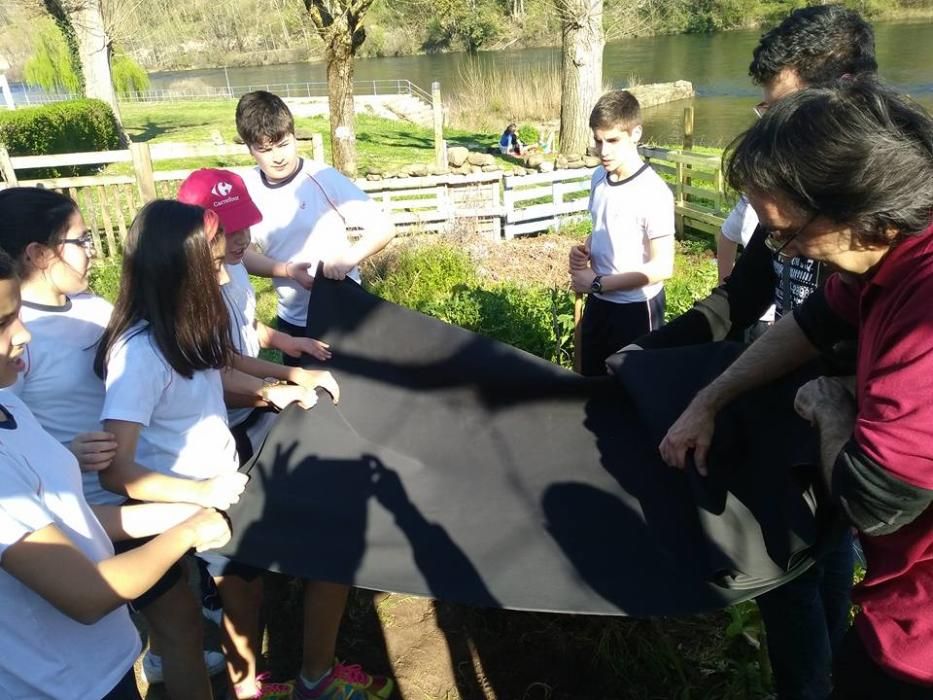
(844, 175)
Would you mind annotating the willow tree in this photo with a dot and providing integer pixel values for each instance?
(82, 22)
(582, 42)
(339, 23)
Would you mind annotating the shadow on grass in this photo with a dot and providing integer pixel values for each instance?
(147, 131)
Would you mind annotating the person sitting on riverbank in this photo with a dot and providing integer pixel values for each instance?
(509, 143)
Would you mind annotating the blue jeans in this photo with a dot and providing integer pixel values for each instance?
(805, 621)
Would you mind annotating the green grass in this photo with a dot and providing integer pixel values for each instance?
(383, 144)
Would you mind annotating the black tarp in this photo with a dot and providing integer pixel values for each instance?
(464, 469)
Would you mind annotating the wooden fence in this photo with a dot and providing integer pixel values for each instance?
(493, 204)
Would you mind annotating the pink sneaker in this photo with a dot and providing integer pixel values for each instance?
(346, 682)
(269, 689)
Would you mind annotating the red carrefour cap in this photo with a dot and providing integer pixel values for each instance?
(223, 192)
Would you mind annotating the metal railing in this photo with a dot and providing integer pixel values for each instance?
(309, 89)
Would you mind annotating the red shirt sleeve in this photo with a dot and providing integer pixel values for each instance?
(894, 425)
(842, 297)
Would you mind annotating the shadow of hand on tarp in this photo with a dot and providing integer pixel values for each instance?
(749, 526)
(446, 569)
(286, 522)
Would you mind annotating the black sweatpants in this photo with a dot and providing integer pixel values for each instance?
(608, 327)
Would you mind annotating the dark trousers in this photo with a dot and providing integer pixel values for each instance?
(805, 621)
(295, 331)
(126, 689)
(608, 327)
(858, 677)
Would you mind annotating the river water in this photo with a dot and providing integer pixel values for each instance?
(716, 64)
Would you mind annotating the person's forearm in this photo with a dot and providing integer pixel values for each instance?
(259, 368)
(268, 337)
(779, 351)
(143, 519)
(263, 266)
(371, 243)
(127, 576)
(725, 256)
(236, 380)
(835, 431)
(649, 273)
(141, 484)
(275, 340)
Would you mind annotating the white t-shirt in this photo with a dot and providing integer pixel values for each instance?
(184, 421)
(738, 228)
(59, 384)
(627, 216)
(43, 652)
(305, 219)
(240, 300)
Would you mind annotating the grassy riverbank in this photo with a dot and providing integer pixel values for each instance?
(381, 143)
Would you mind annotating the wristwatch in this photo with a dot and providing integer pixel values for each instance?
(268, 383)
(596, 285)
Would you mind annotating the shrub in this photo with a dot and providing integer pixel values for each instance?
(528, 134)
(63, 127)
(104, 278)
(439, 280)
(695, 275)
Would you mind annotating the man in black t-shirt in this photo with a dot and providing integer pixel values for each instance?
(806, 618)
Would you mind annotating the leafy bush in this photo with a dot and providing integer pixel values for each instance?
(63, 127)
(695, 275)
(439, 280)
(528, 134)
(104, 278)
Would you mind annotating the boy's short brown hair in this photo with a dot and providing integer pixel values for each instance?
(262, 117)
(618, 108)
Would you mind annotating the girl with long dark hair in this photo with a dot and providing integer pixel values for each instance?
(46, 235)
(70, 635)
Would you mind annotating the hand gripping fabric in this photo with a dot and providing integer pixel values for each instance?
(464, 469)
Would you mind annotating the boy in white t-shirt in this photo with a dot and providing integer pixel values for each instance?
(307, 209)
(625, 260)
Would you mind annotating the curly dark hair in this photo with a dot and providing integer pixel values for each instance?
(858, 153)
(821, 43)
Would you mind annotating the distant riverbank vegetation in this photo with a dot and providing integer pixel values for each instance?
(167, 34)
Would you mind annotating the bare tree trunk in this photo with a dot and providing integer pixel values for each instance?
(340, 97)
(340, 24)
(582, 43)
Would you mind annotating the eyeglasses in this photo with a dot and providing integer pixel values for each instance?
(760, 109)
(776, 242)
(85, 240)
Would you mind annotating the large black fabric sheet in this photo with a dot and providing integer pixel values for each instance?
(460, 468)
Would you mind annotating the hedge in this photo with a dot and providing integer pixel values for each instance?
(76, 126)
